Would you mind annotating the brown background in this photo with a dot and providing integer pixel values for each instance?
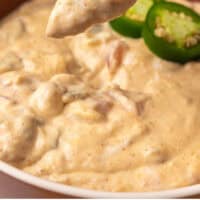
(8, 5)
(11, 188)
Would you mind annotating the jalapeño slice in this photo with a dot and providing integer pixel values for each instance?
(131, 23)
(172, 31)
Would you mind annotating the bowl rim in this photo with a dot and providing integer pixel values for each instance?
(79, 192)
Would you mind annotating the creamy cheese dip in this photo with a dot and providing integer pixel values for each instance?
(96, 110)
(70, 17)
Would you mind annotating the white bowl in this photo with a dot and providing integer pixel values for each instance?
(78, 192)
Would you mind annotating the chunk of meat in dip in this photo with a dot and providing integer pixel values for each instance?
(70, 17)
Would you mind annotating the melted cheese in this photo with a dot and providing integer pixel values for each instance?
(96, 110)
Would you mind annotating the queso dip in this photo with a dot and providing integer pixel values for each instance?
(96, 110)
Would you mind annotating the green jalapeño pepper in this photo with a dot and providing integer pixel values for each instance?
(131, 23)
(172, 31)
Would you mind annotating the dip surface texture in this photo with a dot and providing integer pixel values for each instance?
(96, 110)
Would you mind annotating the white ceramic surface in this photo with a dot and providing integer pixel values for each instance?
(78, 192)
